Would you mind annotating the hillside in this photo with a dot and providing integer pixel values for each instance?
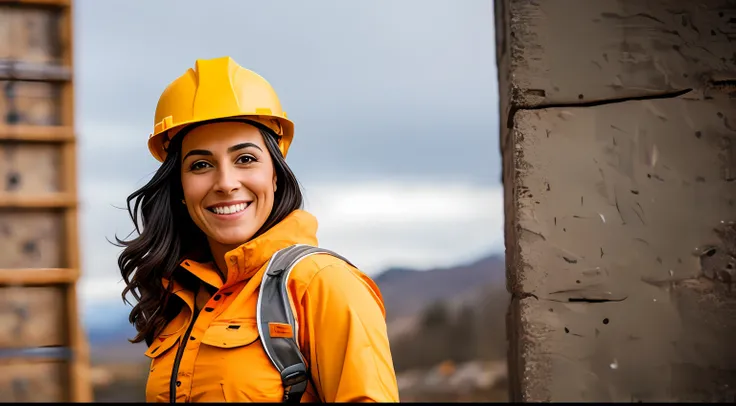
(406, 294)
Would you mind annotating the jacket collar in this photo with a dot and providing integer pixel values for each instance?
(299, 227)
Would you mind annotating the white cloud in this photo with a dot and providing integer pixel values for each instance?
(374, 224)
(384, 224)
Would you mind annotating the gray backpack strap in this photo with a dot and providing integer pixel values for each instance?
(274, 306)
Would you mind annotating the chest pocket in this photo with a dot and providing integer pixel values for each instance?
(231, 334)
(232, 353)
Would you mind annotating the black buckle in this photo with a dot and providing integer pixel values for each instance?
(294, 375)
(294, 379)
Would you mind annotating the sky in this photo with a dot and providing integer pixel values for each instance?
(395, 105)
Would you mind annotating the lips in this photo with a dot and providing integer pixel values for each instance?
(229, 208)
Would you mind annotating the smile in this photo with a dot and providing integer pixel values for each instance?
(229, 209)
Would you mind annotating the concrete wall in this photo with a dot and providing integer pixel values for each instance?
(618, 133)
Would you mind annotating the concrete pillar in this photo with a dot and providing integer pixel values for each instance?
(618, 133)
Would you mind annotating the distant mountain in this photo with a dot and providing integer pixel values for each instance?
(405, 292)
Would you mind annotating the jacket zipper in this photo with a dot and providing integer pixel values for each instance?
(179, 355)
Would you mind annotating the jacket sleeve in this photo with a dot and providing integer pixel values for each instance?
(349, 350)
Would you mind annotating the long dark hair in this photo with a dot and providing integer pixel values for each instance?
(167, 235)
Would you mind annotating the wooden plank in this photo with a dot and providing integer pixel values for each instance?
(33, 316)
(59, 3)
(81, 385)
(31, 35)
(38, 276)
(38, 105)
(14, 70)
(30, 103)
(31, 381)
(40, 201)
(32, 239)
(28, 169)
(34, 133)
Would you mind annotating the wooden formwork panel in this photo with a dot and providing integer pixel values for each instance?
(31, 34)
(38, 230)
(30, 103)
(32, 316)
(33, 381)
(32, 239)
(30, 168)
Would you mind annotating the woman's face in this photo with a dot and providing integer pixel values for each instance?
(228, 179)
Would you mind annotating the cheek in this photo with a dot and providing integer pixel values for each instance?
(194, 188)
(262, 186)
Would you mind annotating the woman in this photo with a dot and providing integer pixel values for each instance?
(218, 208)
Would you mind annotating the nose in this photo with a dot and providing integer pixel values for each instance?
(226, 181)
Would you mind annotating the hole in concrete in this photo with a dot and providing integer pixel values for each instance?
(580, 96)
(712, 32)
(605, 321)
(567, 330)
(577, 281)
(698, 134)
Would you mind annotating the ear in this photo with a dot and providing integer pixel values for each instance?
(275, 178)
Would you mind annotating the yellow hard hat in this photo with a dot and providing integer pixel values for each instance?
(214, 89)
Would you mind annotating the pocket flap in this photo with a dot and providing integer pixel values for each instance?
(161, 344)
(230, 334)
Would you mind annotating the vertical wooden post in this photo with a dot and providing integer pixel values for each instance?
(38, 208)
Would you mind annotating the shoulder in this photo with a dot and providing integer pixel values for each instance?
(326, 274)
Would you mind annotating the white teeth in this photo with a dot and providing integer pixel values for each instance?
(235, 208)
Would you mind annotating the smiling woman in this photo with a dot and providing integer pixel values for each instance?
(211, 223)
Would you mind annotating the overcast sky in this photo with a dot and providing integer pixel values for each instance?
(394, 102)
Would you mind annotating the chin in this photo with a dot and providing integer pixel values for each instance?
(237, 238)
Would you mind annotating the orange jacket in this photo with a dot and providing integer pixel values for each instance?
(342, 330)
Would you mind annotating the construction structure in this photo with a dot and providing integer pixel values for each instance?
(618, 126)
(43, 352)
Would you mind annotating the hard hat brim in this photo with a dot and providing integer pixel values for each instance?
(157, 140)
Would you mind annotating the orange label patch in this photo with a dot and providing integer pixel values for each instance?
(278, 330)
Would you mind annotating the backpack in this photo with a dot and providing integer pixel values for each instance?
(274, 309)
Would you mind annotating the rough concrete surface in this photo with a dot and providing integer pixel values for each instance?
(576, 51)
(619, 170)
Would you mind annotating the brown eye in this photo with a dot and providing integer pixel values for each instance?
(245, 159)
(198, 166)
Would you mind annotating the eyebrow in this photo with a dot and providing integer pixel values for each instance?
(229, 150)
